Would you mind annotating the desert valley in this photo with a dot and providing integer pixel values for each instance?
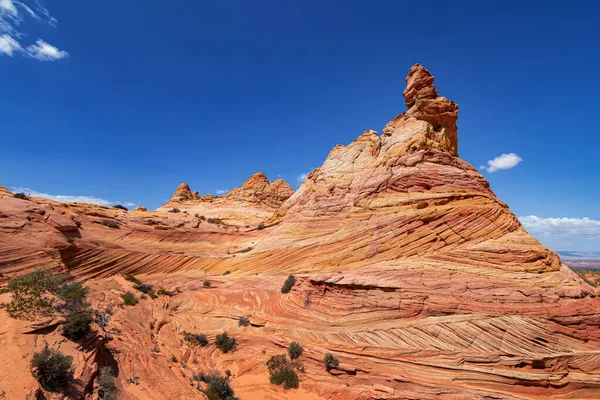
(394, 267)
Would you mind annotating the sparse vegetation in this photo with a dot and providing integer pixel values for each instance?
(77, 324)
(21, 196)
(307, 300)
(244, 321)
(143, 287)
(202, 218)
(164, 292)
(110, 224)
(225, 343)
(295, 350)
(174, 210)
(30, 294)
(196, 339)
(174, 358)
(206, 283)
(261, 226)
(227, 272)
(288, 284)
(131, 278)
(330, 361)
(52, 369)
(247, 249)
(120, 207)
(283, 372)
(107, 387)
(214, 220)
(217, 386)
(129, 299)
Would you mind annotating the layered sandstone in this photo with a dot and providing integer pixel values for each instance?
(410, 270)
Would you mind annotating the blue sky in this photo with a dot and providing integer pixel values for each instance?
(123, 100)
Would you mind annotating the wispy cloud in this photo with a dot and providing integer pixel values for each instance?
(564, 233)
(504, 161)
(221, 191)
(70, 198)
(12, 13)
(302, 177)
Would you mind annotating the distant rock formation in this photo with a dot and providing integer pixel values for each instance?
(182, 193)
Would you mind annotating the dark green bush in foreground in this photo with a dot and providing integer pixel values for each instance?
(225, 343)
(106, 381)
(295, 350)
(77, 324)
(52, 369)
(288, 284)
(330, 361)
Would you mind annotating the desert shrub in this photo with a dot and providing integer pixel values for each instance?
(164, 292)
(295, 350)
(73, 294)
(202, 218)
(330, 361)
(107, 387)
(285, 376)
(131, 278)
(120, 207)
(214, 220)
(77, 324)
(227, 272)
(217, 386)
(143, 287)
(129, 299)
(21, 196)
(110, 224)
(174, 210)
(196, 339)
(244, 321)
(52, 369)
(143, 296)
(276, 362)
(174, 358)
(29, 294)
(260, 226)
(288, 284)
(225, 343)
(206, 283)
(247, 249)
(307, 300)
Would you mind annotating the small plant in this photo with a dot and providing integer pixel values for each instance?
(330, 361)
(202, 218)
(21, 196)
(227, 272)
(120, 207)
(287, 377)
(164, 292)
(244, 321)
(110, 224)
(131, 278)
(174, 358)
(52, 369)
(261, 226)
(29, 294)
(129, 299)
(73, 294)
(77, 324)
(288, 284)
(307, 300)
(247, 249)
(196, 339)
(143, 287)
(206, 284)
(217, 386)
(295, 350)
(225, 343)
(174, 210)
(106, 381)
(214, 220)
(143, 296)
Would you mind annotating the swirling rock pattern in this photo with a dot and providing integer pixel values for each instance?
(409, 269)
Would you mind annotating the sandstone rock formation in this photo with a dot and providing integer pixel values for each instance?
(409, 269)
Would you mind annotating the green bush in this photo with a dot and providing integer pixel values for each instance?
(217, 386)
(260, 226)
(244, 321)
(207, 283)
(225, 343)
(227, 272)
(129, 299)
(131, 278)
(288, 284)
(245, 250)
(73, 294)
(120, 207)
(196, 339)
(143, 287)
(77, 324)
(214, 220)
(276, 362)
(29, 294)
(295, 350)
(285, 376)
(21, 196)
(330, 361)
(107, 387)
(174, 210)
(52, 369)
(164, 292)
(110, 224)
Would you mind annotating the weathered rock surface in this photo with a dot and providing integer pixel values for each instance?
(409, 269)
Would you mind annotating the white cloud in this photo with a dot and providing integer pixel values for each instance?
(45, 52)
(504, 161)
(221, 191)
(302, 177)
(8, 45)
(11, 17)
(564, 233)
(71, 199)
